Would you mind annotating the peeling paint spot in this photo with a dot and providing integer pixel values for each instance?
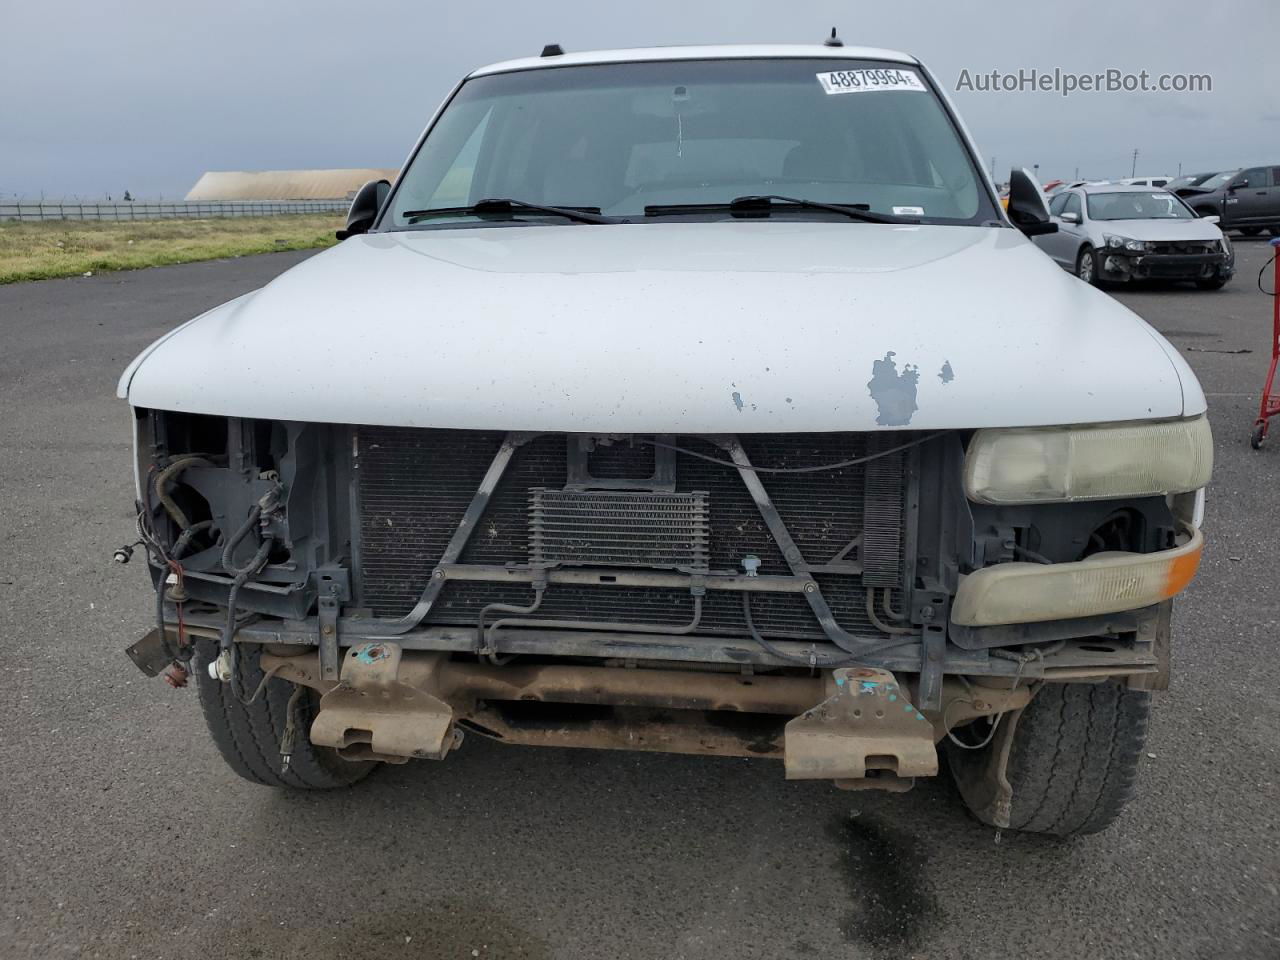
(893, 392)
(737, 400)
(946, 374)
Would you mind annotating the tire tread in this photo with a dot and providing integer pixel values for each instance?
(1073, 765)
(248, 735)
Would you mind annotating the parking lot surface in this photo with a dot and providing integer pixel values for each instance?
(124, 835)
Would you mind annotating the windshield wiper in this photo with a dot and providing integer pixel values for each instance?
(762, 206)
(504, 207)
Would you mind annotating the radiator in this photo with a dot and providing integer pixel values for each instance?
(413, 486)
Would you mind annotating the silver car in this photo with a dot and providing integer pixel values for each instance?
(1119, 232)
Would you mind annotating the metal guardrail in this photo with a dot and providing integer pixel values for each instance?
(138, 210)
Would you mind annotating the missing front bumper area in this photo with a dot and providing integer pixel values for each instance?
(858, 727)
(1119, 265)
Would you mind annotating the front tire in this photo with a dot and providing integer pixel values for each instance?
(248, 736)
(1073, 762)
(1087, 266)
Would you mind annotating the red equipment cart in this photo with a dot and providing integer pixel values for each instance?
(1270, 404)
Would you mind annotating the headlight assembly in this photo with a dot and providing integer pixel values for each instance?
(1104, 462)
(1124, 243)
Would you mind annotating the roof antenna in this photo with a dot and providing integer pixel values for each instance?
(831, 41)
(555, 50)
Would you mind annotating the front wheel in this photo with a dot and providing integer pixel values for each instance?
(1087, 266)
(1250, 231)
(1073, 760)
(248, 735)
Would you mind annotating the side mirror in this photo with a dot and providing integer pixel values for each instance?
(1027, 208)
(1211, 218)
(1237, 185)
(364, 208)
(1070, 217)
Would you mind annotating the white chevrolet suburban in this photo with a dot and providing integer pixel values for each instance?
(700, 400)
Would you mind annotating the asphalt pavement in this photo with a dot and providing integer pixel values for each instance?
(123, 835)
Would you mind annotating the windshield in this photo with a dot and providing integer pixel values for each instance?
(1219, 180)
(621, 137)
(1157, 205)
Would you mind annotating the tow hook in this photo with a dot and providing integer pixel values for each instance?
(372, 714)
(866, 734)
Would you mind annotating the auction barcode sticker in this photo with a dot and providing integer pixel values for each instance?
(864, 81)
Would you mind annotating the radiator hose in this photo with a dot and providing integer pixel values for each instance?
(242, 573)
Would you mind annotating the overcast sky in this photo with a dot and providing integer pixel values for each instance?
(98, 97)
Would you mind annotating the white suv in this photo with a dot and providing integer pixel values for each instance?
(699, 400)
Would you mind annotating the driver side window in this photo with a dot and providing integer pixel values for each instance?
(1073, 205)
(1254, 177)
(1060, 201)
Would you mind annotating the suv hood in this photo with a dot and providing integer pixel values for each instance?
(693, 327)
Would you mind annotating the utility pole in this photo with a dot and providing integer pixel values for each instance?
(1179, 168)
(1133, 171)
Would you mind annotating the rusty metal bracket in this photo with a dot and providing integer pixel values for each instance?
(372, 715)
(982, 776)
(333, 587)
(932, 656)
(867, 724)
(151, 654)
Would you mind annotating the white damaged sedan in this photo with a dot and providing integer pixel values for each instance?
(1121, 232)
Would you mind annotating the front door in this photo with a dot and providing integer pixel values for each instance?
(1249, 202)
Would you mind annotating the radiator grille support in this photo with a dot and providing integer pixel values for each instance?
(414, 486)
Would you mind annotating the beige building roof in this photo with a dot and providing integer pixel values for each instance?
(283, 184)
